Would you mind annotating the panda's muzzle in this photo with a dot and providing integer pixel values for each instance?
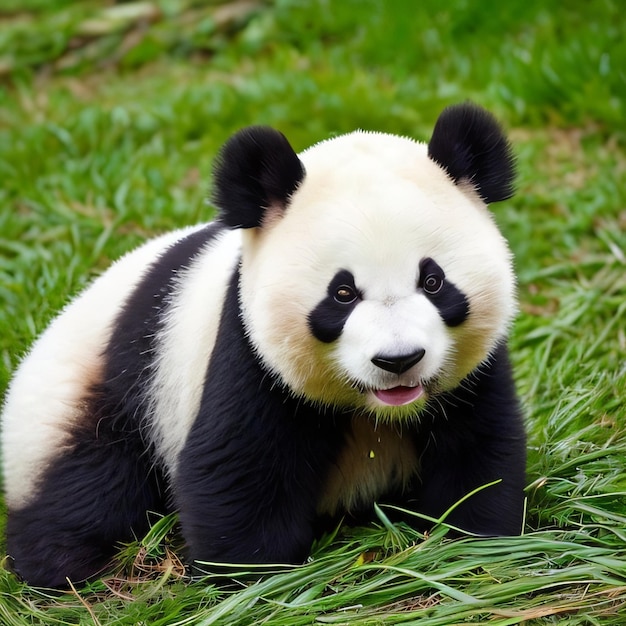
(400, 363)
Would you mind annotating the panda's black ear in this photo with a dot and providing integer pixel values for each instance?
(256, 170)
(470, 145)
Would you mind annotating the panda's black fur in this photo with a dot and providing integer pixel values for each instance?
(253, 469)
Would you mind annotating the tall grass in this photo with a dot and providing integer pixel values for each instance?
(109, 121)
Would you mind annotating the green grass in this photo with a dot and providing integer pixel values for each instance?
(108, 126)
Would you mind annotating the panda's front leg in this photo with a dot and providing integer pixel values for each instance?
(248, 478)
(247, 482)
(476, 443)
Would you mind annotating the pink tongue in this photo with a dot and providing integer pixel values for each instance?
(400, 395)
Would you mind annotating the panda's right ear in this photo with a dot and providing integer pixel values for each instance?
(256, 170)
(469, 144)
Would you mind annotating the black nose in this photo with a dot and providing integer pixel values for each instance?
(399, 364)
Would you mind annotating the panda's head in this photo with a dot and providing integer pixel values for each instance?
(372, 275)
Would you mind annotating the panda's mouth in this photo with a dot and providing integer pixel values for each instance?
(399, 396)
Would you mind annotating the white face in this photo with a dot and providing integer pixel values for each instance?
(384, 283)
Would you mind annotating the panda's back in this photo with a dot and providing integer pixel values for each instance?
(78, 352)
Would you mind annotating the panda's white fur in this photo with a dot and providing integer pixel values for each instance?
(184, 347)
(347, 430)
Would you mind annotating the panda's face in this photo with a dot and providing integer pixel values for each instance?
(382, 283)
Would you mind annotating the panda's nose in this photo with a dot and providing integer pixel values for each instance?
(400, 363)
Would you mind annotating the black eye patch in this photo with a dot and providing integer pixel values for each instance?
(450, 301)
(328, 318)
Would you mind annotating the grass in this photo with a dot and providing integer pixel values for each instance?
(110, 117)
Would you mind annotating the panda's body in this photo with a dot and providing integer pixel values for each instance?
(335, 339)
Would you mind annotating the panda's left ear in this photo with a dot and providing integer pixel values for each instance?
(257, 170)
(469, 144)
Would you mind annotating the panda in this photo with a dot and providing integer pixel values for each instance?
(334, 339)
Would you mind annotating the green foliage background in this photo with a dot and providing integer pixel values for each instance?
(110, 115)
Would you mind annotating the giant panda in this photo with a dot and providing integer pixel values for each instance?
(334, 339)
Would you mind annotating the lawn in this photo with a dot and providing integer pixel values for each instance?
(110, 116)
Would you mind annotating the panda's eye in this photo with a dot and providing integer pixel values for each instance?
(432, 284)
(344, 294)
